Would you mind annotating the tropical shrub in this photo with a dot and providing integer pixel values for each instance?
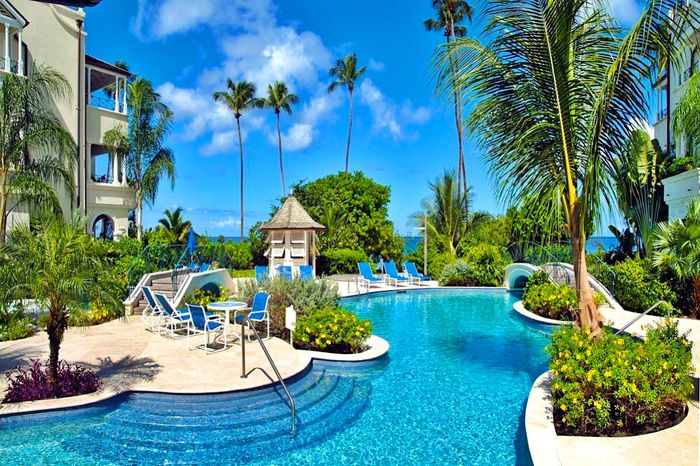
(457, 273)
(332, 329)
(246, 273)
(204, 296)
(437, 264)
(551, 300)
(340, 261)
(677, 166)
(32, 384)
(637, 288)
(488, 263)
(618, 385)
(304, 295)
(17, 329)
(540, 277)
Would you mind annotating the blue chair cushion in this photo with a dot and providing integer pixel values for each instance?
(213, 325)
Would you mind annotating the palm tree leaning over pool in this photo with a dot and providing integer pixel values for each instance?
(240, 96)
(279, 98)
(557, 86)
(175, 226)
(57, 264)
(450, 16)
(676, 245)
(36, 152)
(346, 73)
(147, 159)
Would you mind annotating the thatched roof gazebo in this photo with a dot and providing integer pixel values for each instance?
(291, 235)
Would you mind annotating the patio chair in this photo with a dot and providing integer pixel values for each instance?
(151, 311)
(204, 322)
(204, 267)
(262, 273)
(285, 271)
(170, 319)
(193, 266)
(257, 312)
(393, 275)
(412, 271)
(306, 272)
(366, 276)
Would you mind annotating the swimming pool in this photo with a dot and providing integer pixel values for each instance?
(452, 390)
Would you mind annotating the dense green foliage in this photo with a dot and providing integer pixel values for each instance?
(304, 295)
(332, 329)
(482, 265)
(174, 226)
(339, 261)
(636, 286)
(617, 384)
(685, 117)
(205, 296)
(551, 300)
(677, 166)
(364, 204)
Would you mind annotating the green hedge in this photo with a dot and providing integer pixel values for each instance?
(618, 385)
(637, 288)
(482, 265)
(340, 261)
(332, 329)
(551, 300)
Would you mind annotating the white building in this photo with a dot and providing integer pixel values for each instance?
(40, 34)
(669, 89)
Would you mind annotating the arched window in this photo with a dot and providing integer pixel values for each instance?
(103, 228)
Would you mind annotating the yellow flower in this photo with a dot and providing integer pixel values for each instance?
(608, 374)
(563, 407)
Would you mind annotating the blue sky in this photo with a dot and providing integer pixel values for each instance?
(402, 135)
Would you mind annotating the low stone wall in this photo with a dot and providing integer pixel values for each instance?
(520, 309)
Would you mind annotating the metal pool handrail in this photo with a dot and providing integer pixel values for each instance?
(292, 405)
(641, 315)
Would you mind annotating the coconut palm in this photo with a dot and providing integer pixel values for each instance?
(147, 158)
(346, 73)
(558, 84)
(685, 117)
(239, 97)
(57, 264)
(278, 99)
(36, 152)
(450, 16)
(676, 245)
(175, 226)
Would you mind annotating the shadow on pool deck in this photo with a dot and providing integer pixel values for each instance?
(122, 374)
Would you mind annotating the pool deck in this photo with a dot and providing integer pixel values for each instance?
(129, 358)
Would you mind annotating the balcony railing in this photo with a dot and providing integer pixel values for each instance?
(14, 66)
(106, 178)
(661, 114)
(107, 104)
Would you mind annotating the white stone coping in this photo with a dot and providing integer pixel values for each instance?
(432, 285)
(377, 347)
(520, 309)
(539, 424)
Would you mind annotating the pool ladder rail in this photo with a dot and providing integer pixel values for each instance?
(629, 324)
(244, 374)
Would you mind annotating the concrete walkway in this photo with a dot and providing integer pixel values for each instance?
(127, 357)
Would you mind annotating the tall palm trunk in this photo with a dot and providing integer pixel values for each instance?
(55, 327)
(3, 207)
(240, 146)
(347, 150)
(456, 96)
(588, 314)
(139, 217)
(279, 140)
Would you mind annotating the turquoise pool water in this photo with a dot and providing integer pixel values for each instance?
(452, 390)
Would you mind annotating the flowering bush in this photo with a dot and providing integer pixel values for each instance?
(616, 385)
(457, 274)
(32, 384)
(16, 329)
(551, 300)
(332, 329)
(209, 294)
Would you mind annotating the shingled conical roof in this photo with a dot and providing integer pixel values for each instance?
(292, 216)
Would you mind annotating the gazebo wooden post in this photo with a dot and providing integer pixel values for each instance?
(313, 252)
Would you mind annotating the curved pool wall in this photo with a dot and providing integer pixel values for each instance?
(452, 390)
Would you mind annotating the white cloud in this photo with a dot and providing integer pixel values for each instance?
(375, 65)
(226, 222)
(161, 19)
(387, 117)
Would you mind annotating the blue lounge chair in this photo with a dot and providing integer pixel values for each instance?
(262, 273)
(366, 276)
(204, 267)
(257, 312)
(412, 271)
(306, 272)
(170, 319)
(193, 266)
(151, 311)
(393, 274)
(203, 322)
(284, 271)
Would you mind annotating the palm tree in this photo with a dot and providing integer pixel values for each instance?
(36, 151)
(558, 84)
(450, 16)
(239, 97)
(147, 159)
(685, 117)
(175, 226)
(346, 74)
(279, 98)
(677, 246)
(57, 264)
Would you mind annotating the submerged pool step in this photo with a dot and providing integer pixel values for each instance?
(318, 417)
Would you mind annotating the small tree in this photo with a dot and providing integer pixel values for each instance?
(57, 264)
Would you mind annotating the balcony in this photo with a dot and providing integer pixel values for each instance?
(106, 85)
(661, 114)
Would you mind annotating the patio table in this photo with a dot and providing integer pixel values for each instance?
(226, 307)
